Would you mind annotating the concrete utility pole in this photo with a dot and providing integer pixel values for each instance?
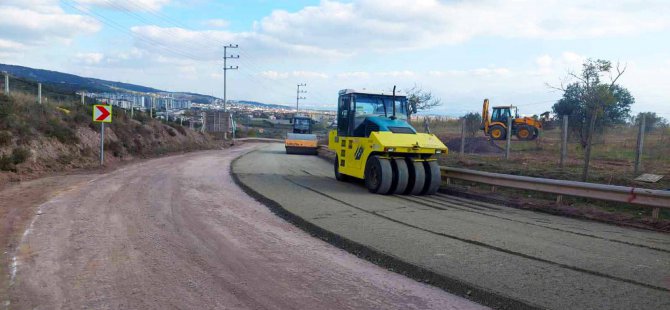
(39, 93)
(226, 68)
(298, 97)
(640, 144)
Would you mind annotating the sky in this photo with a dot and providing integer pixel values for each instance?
(510, 51)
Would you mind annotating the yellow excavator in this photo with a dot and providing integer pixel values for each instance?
(494, 125)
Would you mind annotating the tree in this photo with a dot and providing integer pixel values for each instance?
(592, 104)
(652, 121)
(421, 100)
(473, 123)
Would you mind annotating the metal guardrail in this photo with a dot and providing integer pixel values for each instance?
(639, 196)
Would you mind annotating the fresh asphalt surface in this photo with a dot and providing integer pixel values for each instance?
(537, 259)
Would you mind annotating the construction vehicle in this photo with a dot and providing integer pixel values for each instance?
(494, 125)
(374, 142)
(301, 140)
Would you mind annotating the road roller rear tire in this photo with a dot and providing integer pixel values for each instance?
(417, 177)
(400, 175)
(433, 178)
(378, 175)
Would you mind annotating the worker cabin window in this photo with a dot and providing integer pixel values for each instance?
(370, 105)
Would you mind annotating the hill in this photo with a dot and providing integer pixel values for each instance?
(69, 83)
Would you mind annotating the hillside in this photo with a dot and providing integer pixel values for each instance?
(69, 83)
(37, 139)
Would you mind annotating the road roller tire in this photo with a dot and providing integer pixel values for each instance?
(400, 175)
(417, 177)
(378, 175)
(433, 178)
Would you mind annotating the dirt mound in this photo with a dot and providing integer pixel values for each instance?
(475, 145)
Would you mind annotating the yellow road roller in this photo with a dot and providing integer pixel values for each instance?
(374, 142)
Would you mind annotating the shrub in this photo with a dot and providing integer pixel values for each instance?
(5, 137)
(20, 155)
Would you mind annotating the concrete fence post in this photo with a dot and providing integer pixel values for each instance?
(640, 145)
(6, 83)
(509, 137)
(462, 150)
(564, 142)
(39, 93)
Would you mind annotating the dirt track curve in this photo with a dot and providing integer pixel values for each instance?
(177, 233)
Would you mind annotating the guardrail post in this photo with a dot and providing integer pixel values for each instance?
(509, 137)
(462, 151)
(564, 142)
(640, 144)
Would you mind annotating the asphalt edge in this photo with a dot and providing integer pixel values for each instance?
(387, 261)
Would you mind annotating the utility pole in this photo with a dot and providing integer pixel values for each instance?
(226, 68)
(298, 97)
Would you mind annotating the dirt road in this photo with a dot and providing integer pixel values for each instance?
(177, 233)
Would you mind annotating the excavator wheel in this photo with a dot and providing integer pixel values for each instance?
(378, 175)
(498, 132)
(338, 176)
(525, 133)
(400, 175)
(417, 177)
(433, 178)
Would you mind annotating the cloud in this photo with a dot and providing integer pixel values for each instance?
(274, 75)
(127, 5)
(403, 24)
(217, 23)
(90, 58)
(27, 24)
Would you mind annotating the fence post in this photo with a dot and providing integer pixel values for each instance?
(462, 150)
(6, 83)
(83, 101)
(640, 145)
(509, 137)
(39, 93)
(564, 142)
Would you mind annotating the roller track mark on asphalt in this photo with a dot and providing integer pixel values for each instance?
(447, 204)
(481, 244)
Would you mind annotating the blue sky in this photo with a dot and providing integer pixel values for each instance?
(462, 51)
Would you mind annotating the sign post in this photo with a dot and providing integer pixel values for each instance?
(102, 113)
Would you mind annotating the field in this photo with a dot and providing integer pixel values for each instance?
(612, 160)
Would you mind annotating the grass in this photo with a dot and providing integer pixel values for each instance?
(612, 160)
